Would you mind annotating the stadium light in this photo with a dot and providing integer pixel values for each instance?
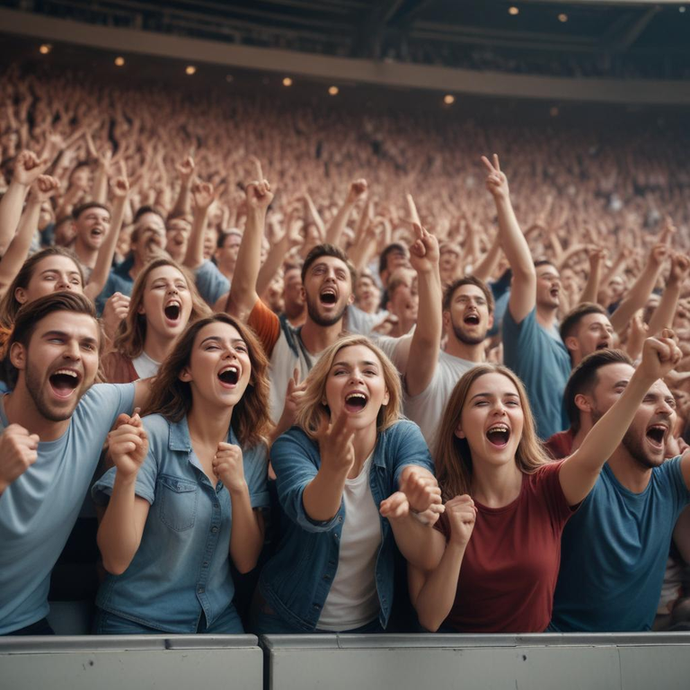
(119, 61)
(554, 111)
(563, 17)
(681, 9)
(229, 78)
(45, 49)
(287, 81)
(333, 90)
(190, 70)
(513, 10)
(449, 99)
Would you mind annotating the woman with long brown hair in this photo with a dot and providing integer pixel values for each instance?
(498, 547)
(186, 491)
(346, 475)
(164, 300)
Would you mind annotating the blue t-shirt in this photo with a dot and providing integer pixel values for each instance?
(614, 551)
(182, 566)
(542, 362)
(118, 280)
(39, 509)
(210, 282)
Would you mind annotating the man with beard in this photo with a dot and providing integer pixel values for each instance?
(52, 428)
(614, 548)
(327, 280)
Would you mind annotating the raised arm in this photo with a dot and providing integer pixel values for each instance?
(203, 198)
(485, 268)
(357, 190)
(580, 471)
(664, 314)
(104, 259)
(243, 295)
(523, 294)
(27, 168)
(425, 344)
(597, 257)
(120, 531)
(186, 172)
(639, 293)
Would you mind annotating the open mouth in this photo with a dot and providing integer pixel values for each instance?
(172, 311)
(498, 435)
(656, 435)
(603, 345)
(96, 232)
(356, 402)
(328, 296)
(472, 320)
(229, 376)
(64, 382)
(555, 292)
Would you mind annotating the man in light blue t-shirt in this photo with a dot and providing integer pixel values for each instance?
(614, 548)
(53, 425)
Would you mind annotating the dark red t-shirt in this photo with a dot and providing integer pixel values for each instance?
(560, 445)
(509, 571)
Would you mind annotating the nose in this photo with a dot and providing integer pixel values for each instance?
(356, 376)
(62, 284)
(71, 350)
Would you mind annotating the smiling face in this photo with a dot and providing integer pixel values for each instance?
(469, 318)
(148, 236)
(227, 254)
(167, 302)
(548, 287)
(60, 363)
(52, 274)
(492, 419)
(356, 385)
(328, 290)
(177, 234)
(219, 368)
(91, 226)
(594, 332)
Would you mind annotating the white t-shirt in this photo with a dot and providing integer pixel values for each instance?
(427, 408)
(145, 366)
(353, 600)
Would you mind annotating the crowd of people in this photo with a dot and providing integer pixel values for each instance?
(323, 371)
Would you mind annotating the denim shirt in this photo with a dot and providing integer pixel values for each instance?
(296, 581)
(182, 566)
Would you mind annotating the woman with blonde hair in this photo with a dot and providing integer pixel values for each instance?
(189, 481)
(348, 476)
(164, 300)
(497, 550)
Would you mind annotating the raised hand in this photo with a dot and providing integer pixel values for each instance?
(119, 187)
(496, 181)
(46, 186)
(18, 451)
(259, 195)
(394, 507)
(461, 514)
(658, 254)
(335, 444)
(228, 466)
(28, 167)
(115, 311)
(357, 190)
(597, 256)
(424, 251)
(203, 194)
(420, 487)
(660, 355)
(128, 444)
(680, 268)
(185, 169)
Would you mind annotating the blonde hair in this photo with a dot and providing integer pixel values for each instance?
(312, 409)
(131, 334)
(453, 455)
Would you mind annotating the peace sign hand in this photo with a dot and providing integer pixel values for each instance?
(496, 181)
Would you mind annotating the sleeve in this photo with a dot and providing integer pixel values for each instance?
(519, 339)
(296, 464)
(255, 463)
(107, 401)
(361, 322)
(210, 282)
(266, 325)
(410, 449)
(548, 485)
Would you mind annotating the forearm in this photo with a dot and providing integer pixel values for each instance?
(314, 215)
(415, 541)
(322, 496)
(243, 295)
(11, 206)
(195, 245)
(486, 267)
(18, 250)
(513, 241)
(118, 534)
(273, 262)
(106, 252)
(335, 229)
(436, 597)
(591, 289)
(664, 314)
(636, 298)
(182, 203)
(100, 184)
(247, 534)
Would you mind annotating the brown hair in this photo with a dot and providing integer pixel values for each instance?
(131, 334)
(453, 455)
(449, 292)
(585, 377)
(172, 398)
(576, 314)
(312, 408)
(321, 250)
(9, 306)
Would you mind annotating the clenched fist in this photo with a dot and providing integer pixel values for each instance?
(228, 466)
(18, 451)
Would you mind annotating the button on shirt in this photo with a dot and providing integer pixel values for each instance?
(182, 566)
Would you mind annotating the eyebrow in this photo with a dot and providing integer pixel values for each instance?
(218, 339)
(488, 395)
(63, 334)
(57, 270)
(365, 362)
(622, 382)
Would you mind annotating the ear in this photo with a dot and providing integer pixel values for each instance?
(446, 321)
(572, 343)
(582, 403)
(458, 431)
(351, 298)
(386, 398)
(303, 292)
(20, 295)
(185, 375)
(18, 356)
(491, 321)
(141, 309)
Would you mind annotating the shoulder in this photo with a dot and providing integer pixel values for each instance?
(156, 424)
(107, 395)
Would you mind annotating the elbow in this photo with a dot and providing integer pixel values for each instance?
(429, 622)
(246, 564)
(115, 567)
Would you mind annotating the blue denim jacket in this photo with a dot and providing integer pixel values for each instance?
(182, 566)
(296, 581)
